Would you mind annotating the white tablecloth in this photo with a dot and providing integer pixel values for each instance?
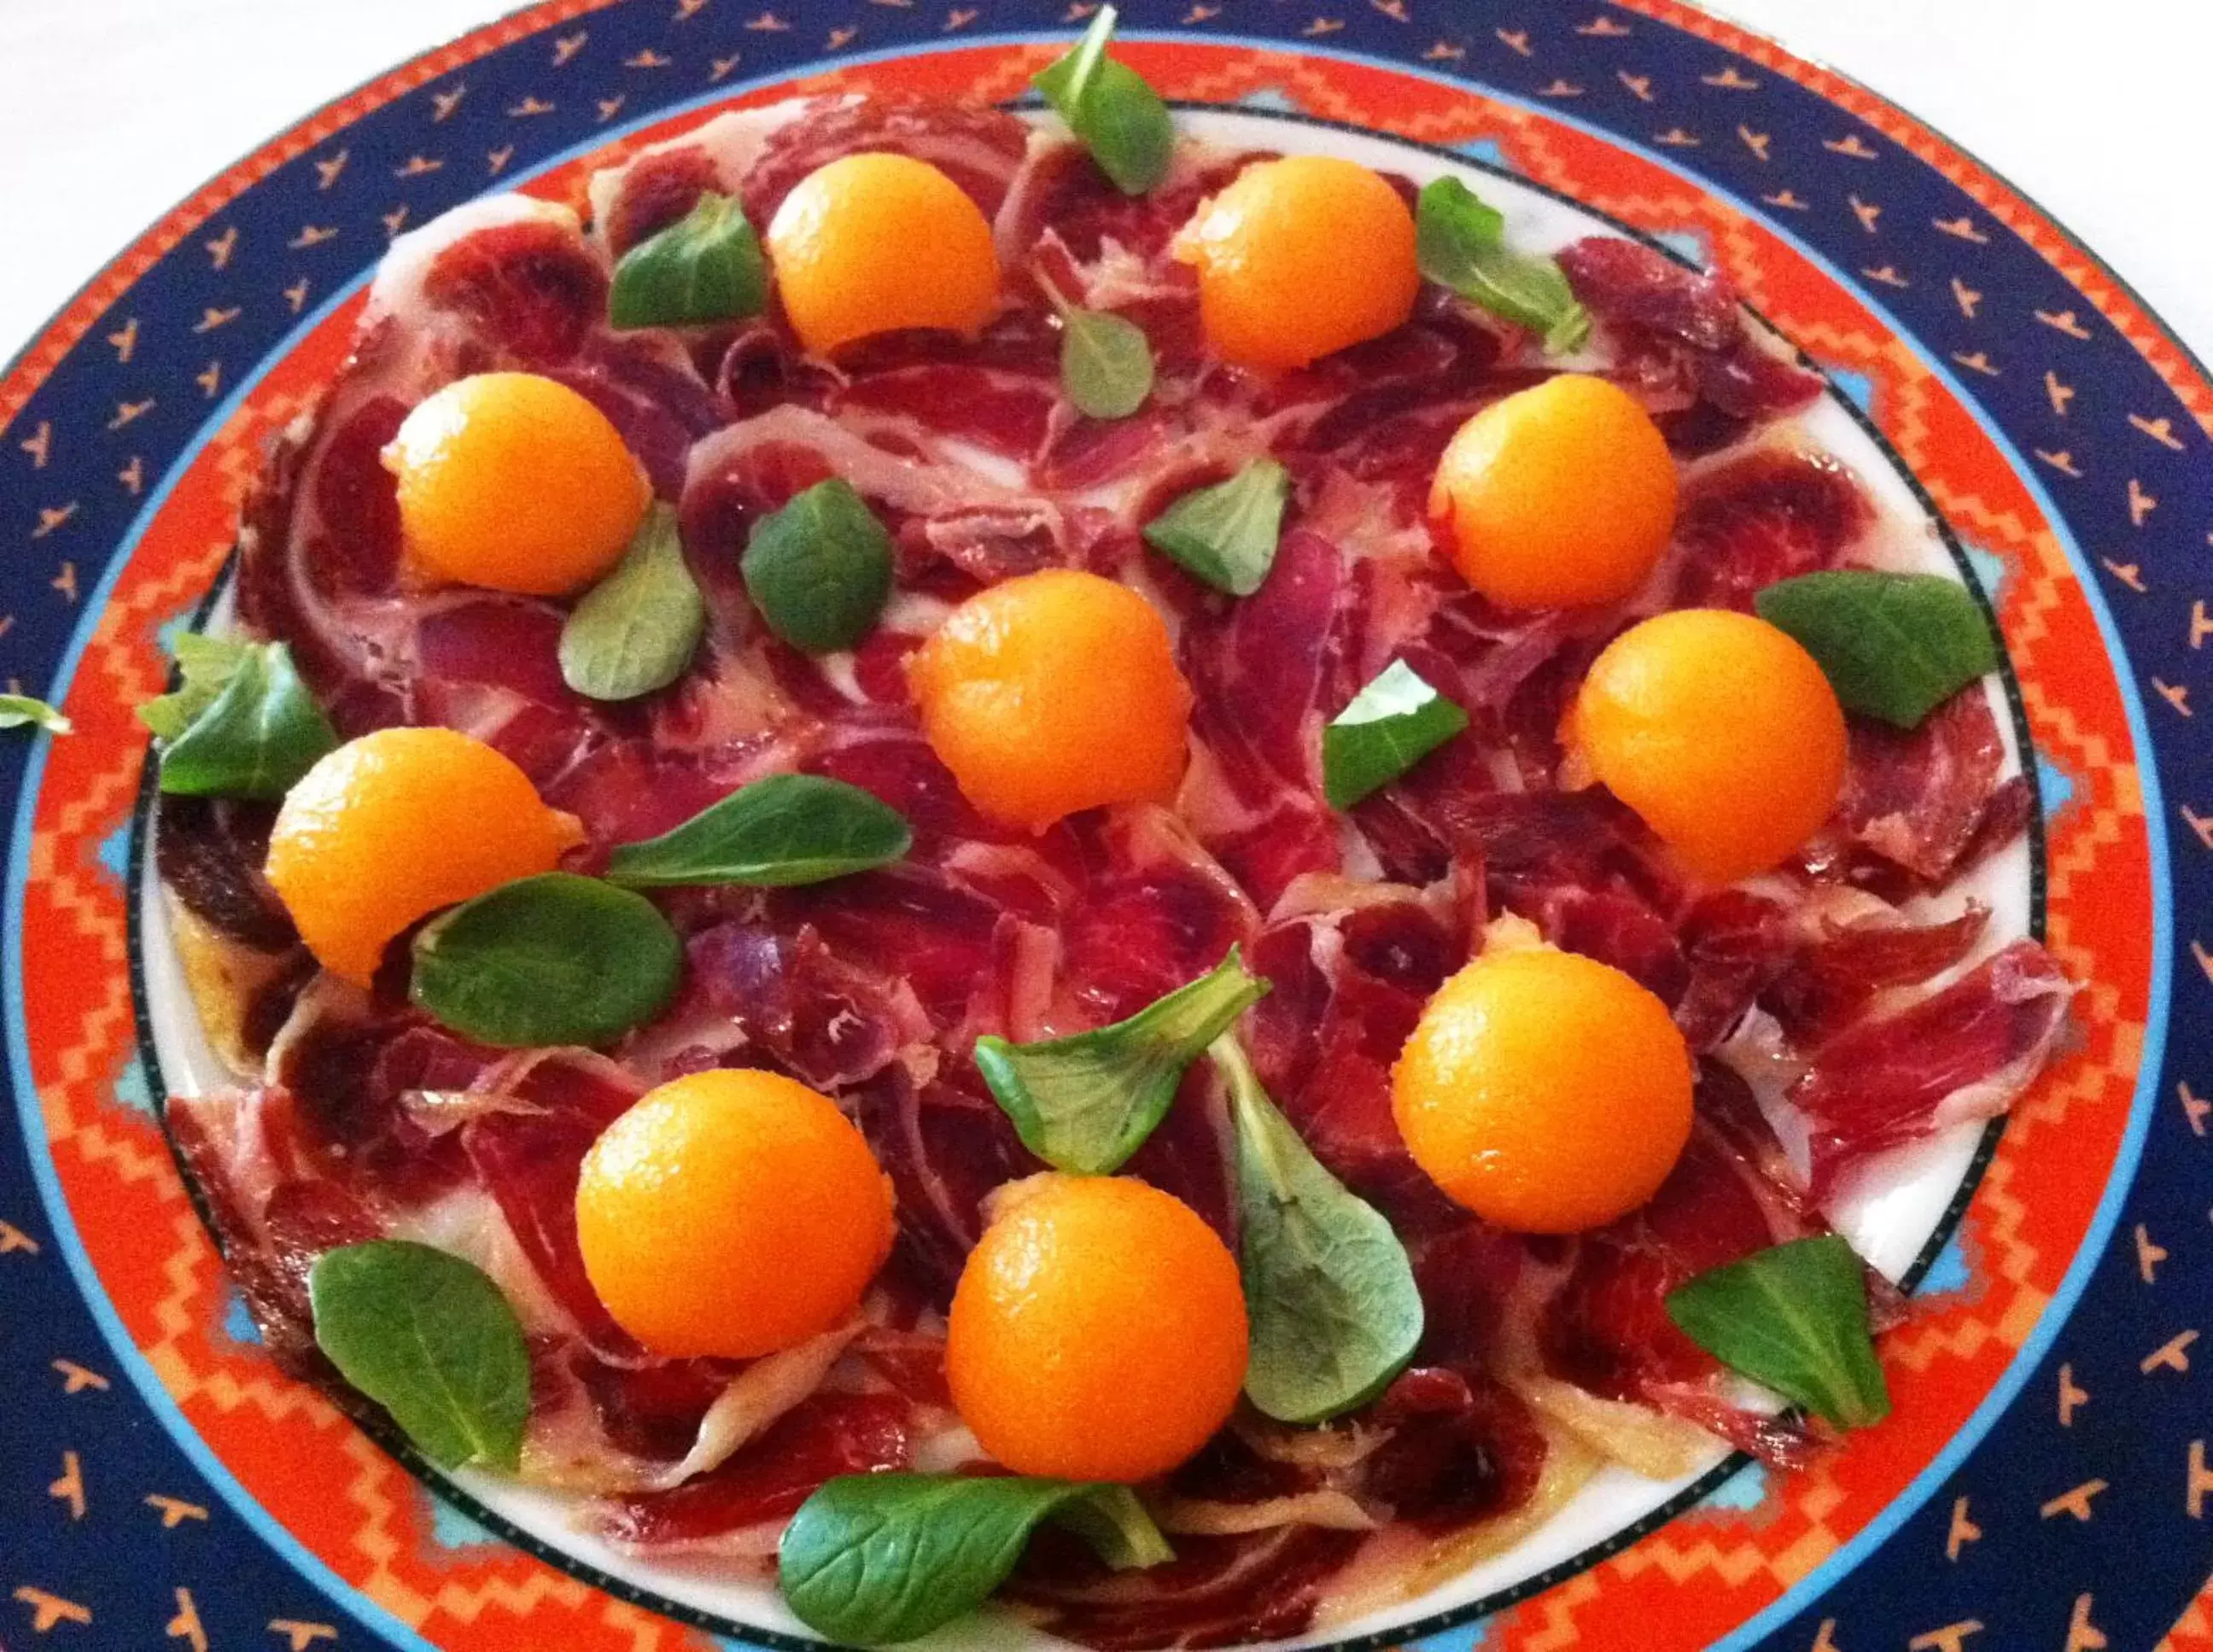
(110, 111)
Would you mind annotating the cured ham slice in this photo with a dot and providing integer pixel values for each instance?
(1961, 1054)
(980, 149)
(1769, 514)
(1685, 336)
(1869, 982)
(1830, 980)
(738, 1509)
(1607, 1328)
(1918, 801)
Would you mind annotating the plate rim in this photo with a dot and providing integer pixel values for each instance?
(67, 329)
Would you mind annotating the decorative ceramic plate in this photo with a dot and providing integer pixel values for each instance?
(2044, 1481)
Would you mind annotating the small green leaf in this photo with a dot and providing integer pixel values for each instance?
(21, 710)
(820, 570)
(1116, 1525)
(1227, 534)
(1391, 725)
(874, 1558)
(1328, 1289)
(1068, 79)
(1894, 646)
(704, 268)
(1111, 109)
(1085, 1103)
(1794, 1318)
(208, 664)
(787, 829)
(242, 724)
(636, 631)
(1460, 243)
(1106, 363)
(556, 958)
(428, 1337)
(1453, 224)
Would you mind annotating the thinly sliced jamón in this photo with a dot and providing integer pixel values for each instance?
(873, 987)
(1963, 1053)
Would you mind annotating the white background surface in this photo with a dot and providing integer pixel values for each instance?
(110, 111)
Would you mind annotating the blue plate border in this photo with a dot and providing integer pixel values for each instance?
(2031, 1581)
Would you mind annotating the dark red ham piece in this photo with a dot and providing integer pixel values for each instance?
(720, 509)
(1138, 935)
(530, 290)
(1002, 395)
(2005, 819)
(1185, 1156)
(896, 765)
(273, 1220)
(1007, 413)
(510, 643)
(651, 1410)
(979, 148)
(760, 366)
(1383, 411)
(660, 187)
(1092, 451)
(208, 853)
(660, 408)
(820, 1019)
(1298, 836)
(1769, 515)
(945, 1145)
(939, 937)
(1963, 1053)
(1218, 1591)
(626, 791)
(1616, 928)
(343, 1111)
(1828, 982)
(1631, 284)
(1461, 1448)
(530, 1162)
(817, 1440)
(1346, 994)
(357, 500)
(1467, 1272)
(1065, 196)
(1917, 799)
(1268, 671)
(278, 556)
(1691, 321)
(977, 548)
(490, 666)
(1607, 1330)
(1732, 944)
(1741, 948)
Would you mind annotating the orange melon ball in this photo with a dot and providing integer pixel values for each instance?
(1053, 693)
(1557, 496)
(391, 827)
(873, 243)
(1300, 257)
(513, 482)
(1720, 731)
(1098, 1332)
(730, 1214)
(1547, 1092)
